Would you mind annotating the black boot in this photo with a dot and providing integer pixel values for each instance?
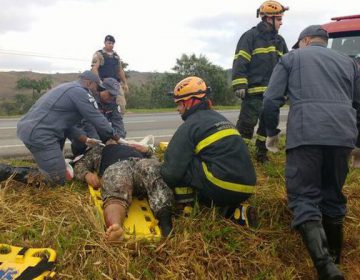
(165, 222)
(244, 215)
(21, 174)
(334, 233)
(261, 152)
(315, 241)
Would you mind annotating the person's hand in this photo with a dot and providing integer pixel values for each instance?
(125, 87)
(240, 93)
(272, 143)
(111, 142)
(91, 142)
(93, 180)
(355, 154)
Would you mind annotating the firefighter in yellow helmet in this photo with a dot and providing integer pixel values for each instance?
(207, 153)
(256, 55)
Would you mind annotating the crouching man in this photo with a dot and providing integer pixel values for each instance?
(124, 169)
(207, 152)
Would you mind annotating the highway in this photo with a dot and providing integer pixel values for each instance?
(161, 125)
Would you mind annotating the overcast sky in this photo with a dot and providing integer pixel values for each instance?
(61, 35)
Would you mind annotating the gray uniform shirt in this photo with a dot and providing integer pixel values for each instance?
(323, 88)
(57, 111)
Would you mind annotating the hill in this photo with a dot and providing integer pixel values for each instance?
(8, 80)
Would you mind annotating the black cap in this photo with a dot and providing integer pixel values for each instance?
(109, 38)
(112, 85)
(312, 30)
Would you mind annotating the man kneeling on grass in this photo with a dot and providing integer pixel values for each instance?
(124, 169)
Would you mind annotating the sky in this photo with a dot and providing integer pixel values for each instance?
(61, 36)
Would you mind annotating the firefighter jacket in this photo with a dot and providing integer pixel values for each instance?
(207, 149)
(256, 55)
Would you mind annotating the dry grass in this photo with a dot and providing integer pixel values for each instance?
(204, 246)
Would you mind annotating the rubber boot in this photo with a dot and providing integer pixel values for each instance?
(334, 233)
(21, 173)
(165, 222)
(261, 152)
(315, 241)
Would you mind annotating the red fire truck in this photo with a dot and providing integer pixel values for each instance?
(344, 35)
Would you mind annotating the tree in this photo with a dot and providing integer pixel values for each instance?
(215, 76)
(37, 86)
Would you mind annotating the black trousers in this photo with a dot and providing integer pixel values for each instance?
(315, 176)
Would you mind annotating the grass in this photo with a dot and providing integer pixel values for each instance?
(204, 246)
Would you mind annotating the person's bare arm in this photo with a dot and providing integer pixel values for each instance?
(123, 79)
(95, 64)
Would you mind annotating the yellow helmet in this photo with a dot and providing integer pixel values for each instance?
(190, 87)
(271, 9)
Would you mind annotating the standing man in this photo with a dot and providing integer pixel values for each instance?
(323, 88)
(207, 153)
(256, 55)
(106, 103)
(106, 63)
(43, 129)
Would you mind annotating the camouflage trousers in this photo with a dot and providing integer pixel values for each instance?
(139, 177)
(250, 115)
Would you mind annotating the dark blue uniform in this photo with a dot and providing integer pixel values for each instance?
(43, 128)
(323, 88)
(207, 153)
(256, 55)
(112, 113)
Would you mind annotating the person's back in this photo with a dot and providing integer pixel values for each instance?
(320, 91)
(50, 115)
(323, 89)
(207, 152)
(225, 157)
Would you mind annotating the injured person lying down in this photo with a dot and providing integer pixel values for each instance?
(122, 170)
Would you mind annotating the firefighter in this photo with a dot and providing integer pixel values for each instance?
(256, 55)
(106, 63)
(207, 152)
(323, 88)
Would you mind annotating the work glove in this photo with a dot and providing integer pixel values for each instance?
(240, 93)
(272, 143)
(92, 142)
(355, 154)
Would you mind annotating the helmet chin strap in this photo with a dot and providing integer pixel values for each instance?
(273, 24)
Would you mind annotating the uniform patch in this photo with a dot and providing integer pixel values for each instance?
(93, 101)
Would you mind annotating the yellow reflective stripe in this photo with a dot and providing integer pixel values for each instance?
(260, 137)
(280, 53)
(227, 185)
(264, 50)
(244, 54)
(246, 140)
(257, 90)
(183, 190)
(239, 81)
(215, 137)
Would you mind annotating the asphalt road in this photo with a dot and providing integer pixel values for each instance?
(161, 125)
